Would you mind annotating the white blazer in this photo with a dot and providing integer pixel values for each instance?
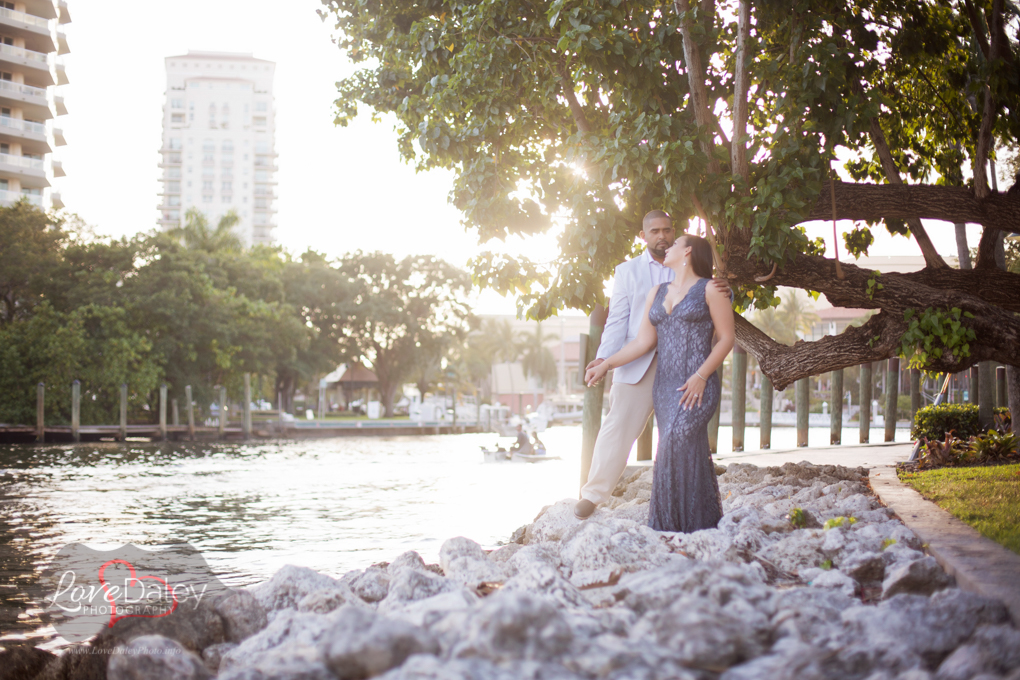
(633, 280)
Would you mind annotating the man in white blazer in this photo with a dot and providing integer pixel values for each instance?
(630, 398)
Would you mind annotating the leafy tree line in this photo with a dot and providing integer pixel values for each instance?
(192, 306)
(588, 113)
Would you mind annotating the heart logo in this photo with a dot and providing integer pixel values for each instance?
(111, 598)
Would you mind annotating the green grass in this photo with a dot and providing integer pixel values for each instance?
(987, 498)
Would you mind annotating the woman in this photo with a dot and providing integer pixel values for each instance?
(682, 317)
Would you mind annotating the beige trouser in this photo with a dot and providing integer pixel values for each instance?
(629, 408)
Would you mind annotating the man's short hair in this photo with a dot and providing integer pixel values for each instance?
(655, 215)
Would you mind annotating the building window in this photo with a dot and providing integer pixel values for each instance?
(259, 121)
(261, 203)
(177, 103)
(261, 176)
(228, 146)
(177, 118)
(207, 198)
(173, 200)
(173, 172)
(227, 198)
(262, 146)
(207, 185)
(227, 187)
(175, 143)
(173, 187)
(262, 106)
(209, 146)
(208, 159)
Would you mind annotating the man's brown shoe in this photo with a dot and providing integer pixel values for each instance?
(583, 509)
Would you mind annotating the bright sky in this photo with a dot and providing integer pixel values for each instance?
(340, 189)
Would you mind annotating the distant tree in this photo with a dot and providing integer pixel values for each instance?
(501, 340)
(30, 245)
(772, 325)
(197, 234)
(796, 315)
(398, 308)
(538, 360)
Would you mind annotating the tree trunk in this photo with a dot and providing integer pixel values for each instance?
(962, 252)
(1013, 391)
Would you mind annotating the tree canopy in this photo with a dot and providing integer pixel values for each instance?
(585, 114)
(192, 306)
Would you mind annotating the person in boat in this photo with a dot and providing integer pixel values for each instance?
(523, 443)
(537, 444)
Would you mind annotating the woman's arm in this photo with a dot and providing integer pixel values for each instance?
(644, 342)
(722, 318)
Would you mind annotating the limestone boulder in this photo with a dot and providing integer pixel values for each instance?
(923, 576)
(154, 657)
(363, 644)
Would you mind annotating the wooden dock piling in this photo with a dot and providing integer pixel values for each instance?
(76, 411)
(865, 399)
(246, 421)
(191, 412)
(892, 396)
(803, 404)
(713, 423)
(591, 415)
(915, 393)
(836, 408)
(1001, 396)
(40, 413)
(644, 441)
(739, 391)
(122, 434)
(986, 394)
(765, 414)
(162, 412)
(223, 412)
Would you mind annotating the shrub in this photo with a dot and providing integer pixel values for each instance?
(948, 453)
(934, 422)
(993, 447)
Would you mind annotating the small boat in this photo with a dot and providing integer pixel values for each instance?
(501, 455)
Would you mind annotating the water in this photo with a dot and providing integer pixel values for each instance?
(332, 505)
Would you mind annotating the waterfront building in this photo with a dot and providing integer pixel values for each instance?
(31, 44)
(218, 152)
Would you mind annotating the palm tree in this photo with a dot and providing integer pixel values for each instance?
(770, 323)
(538, 360)
(500, 339)
(196, 234)
(796, 315)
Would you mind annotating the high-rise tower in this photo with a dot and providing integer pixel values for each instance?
(218, 149)
(31, 43)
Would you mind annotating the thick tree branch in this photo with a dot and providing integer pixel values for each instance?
(866, 201)
(738, 149)
(576, 110)
(977, 27)
(696, 78)
(877, 339)
(892, 174)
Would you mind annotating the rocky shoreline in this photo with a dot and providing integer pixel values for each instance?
(806, 577)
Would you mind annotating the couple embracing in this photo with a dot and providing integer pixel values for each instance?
(663, 315)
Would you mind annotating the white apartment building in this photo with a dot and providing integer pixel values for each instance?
(31, 43)
(219, 136)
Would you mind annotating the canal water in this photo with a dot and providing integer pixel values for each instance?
(332, 504)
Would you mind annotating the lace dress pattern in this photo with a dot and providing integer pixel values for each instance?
(685, 492)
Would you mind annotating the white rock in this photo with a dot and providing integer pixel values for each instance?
(993, 649)
(242, 615)
(407, 560)
(289, 634)
(834, 578)
(407, 584)
(516, 626)
(923, 576)
(154, 657)
(372, 584)
(464, 561)
(362, 644)
(289, 585)
(553, 522)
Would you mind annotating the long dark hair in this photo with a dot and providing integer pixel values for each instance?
(701, 254)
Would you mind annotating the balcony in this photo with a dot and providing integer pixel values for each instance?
(31, 171)
(31, 135)
(37, 63)
(58, 169)
(61, 74)
(12, 197)
(65, 15)
(58, 103)
(34, 29)
(58, 137)
(55, 201)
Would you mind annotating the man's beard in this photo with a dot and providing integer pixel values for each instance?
(659, 251)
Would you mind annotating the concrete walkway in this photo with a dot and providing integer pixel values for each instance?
(979, 564)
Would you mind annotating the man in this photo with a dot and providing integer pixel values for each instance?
(630, 398)
(523, 443)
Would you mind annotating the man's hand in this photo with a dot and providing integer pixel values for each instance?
(722, 285)
(592, 364)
